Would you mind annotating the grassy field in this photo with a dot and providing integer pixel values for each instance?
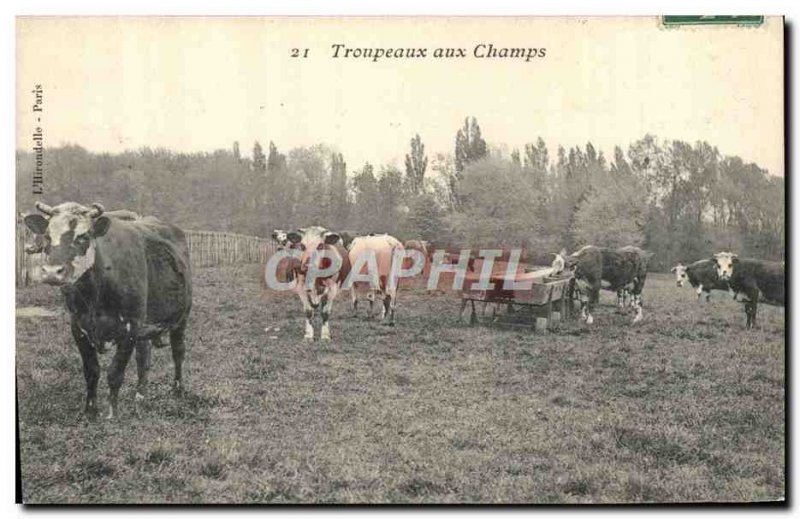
(684, 406)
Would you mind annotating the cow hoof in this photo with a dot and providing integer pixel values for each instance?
(589, 320)
(308, 337)
(325, 337)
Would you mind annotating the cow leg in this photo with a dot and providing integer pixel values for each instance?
(382, 296)
(388, 305)
(309, 313)
(354, 300)
(326, 306)
(91, 369)
(586, 312)
(585, 299)
(708, 296)
(751, 305)
(116, 373)
(385, 306)
(176, 337)
(750, 309)
(371, 299)
(626, 300)
(620, 299)
(637, 304)
(699, 290)
(142, 366)
(594, 300)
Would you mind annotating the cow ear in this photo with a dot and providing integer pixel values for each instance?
(331, 238)
(100, 226)
(294, 237)
(36, 223)
(673, 269)
(734, 258)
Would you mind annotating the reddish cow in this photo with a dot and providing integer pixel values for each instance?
(323, 266)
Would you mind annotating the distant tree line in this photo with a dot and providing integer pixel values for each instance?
(680, 200)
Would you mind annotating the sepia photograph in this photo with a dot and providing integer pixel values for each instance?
(400, 260)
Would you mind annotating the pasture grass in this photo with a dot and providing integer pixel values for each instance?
(685, 406)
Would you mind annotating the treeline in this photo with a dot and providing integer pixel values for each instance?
(680, 200)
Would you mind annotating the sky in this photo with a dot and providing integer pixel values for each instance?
(199, 84)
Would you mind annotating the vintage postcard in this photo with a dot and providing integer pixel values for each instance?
(400, 260)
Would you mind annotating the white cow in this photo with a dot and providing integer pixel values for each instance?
(373, 255)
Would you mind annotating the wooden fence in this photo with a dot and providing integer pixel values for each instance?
(25, 263)
(211, 248)
(206, 249)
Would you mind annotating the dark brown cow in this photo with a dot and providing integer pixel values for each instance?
(759, 280)
(126, 280)
(624, 269)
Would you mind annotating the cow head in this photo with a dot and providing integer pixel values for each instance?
(280, 236)
(725, 262)
(559, 261)
(67, 234)
(680, 274)
(312, 241)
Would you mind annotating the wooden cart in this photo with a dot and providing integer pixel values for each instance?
(541, 307)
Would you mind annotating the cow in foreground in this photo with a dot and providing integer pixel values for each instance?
(702, 276)
(624, 269)
(383, 248)
(126, 280)
(759, 280)
(323, 267)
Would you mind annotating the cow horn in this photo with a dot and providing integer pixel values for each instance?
(97, 210)
(46, 209)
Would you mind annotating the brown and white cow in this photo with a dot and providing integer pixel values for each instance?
(382, 249)
(759, 280)
(323, 266)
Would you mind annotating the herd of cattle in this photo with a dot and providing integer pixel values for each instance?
(127, 282)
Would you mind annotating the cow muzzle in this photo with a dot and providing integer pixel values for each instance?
(55, 275)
